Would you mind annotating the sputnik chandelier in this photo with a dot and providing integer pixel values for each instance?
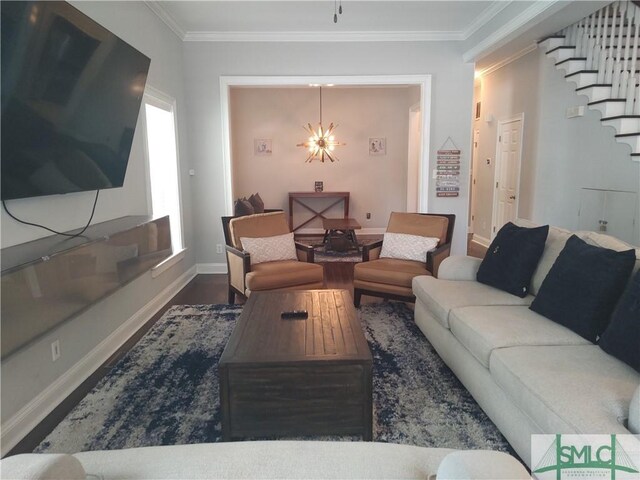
(321, 143)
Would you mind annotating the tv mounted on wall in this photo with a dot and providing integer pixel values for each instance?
(71, 93)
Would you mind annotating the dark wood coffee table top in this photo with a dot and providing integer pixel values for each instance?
(331, 332)
(340, 224)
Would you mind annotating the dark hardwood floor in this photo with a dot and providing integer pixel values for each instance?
(203, 289)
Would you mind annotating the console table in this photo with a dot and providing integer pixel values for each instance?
(298, 197)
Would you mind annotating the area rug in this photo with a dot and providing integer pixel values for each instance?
(165, 390)
(321, 255)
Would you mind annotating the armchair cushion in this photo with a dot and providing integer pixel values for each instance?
(407, 247)
(270, 249)
(284, 274)
(389, 271)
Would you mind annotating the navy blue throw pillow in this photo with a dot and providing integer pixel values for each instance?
(622, 337)
(583, 286)
(512, 258)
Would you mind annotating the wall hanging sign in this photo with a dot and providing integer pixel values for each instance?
(448, 170)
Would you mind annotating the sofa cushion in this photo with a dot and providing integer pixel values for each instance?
(389, 271)
(242, 207)
(567, 389)
(441, 296)
(42, 466)
(407, 247)
(583, 286)
(270, 249)
(256, 202)
(556, 239)
(481, 330)
(288, 273)
(622, 337)
(512, 258)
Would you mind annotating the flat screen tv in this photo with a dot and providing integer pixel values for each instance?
(71, 93)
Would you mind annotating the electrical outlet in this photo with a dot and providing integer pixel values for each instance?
(368, 216)
(55, 350)
(219, 248)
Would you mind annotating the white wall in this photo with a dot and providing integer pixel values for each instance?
(27, 373)
(560, 156)
(360, 113)
(452, 85)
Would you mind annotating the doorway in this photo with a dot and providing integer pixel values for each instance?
(507, 172)
(423, 81)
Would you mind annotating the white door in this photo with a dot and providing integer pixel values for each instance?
(413, 158)
(507, 173)
(472, 180)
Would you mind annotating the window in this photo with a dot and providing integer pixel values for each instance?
(162, 158)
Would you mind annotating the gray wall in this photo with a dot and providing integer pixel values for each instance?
(560, 156)
(27, 373)
(452, 86)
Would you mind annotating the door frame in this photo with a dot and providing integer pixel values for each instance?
(496, 169)
(414, 110)
(424, 81)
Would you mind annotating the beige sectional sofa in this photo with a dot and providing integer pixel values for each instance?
(528, 373)
(268, 460)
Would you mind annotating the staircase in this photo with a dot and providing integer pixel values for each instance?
(600, 55)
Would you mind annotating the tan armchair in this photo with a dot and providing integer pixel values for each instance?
(278, 275)
(391, 278)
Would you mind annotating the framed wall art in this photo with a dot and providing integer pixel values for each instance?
(377, 146)
(262, 146)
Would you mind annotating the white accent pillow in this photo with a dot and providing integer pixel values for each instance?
(407, 247)
(270, 249)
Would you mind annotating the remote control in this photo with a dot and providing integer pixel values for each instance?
(295, 314)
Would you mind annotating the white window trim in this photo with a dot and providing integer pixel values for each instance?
(160, 99)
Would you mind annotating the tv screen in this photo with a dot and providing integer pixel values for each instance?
(71, 93)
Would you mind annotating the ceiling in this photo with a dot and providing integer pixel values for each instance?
(490, 32)
(451, 20)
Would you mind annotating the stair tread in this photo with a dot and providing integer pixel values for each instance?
(634, 134)
(618, 117)
(608, 100)
(580, 71)
(584, 59)
(559, 48)
(594, 85)
(549, 37)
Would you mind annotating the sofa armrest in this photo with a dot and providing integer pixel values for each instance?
(459, 267)
(371, 251)
(481, 464)
(49, 466)
(305, 252)
(436, 257)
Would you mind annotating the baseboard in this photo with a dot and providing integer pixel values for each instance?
(25, 420)
(480, 240)
(208, 268)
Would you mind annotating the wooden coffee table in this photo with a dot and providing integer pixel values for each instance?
(285, 377)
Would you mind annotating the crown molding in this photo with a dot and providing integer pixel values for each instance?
(485, 17)
(157, 8)
(498, 65)
(387, 36)
(501, 33)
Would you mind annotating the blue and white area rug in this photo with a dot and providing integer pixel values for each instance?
(165, 390)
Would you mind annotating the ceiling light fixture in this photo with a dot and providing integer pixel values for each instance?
(335, 12)
(321, 143)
